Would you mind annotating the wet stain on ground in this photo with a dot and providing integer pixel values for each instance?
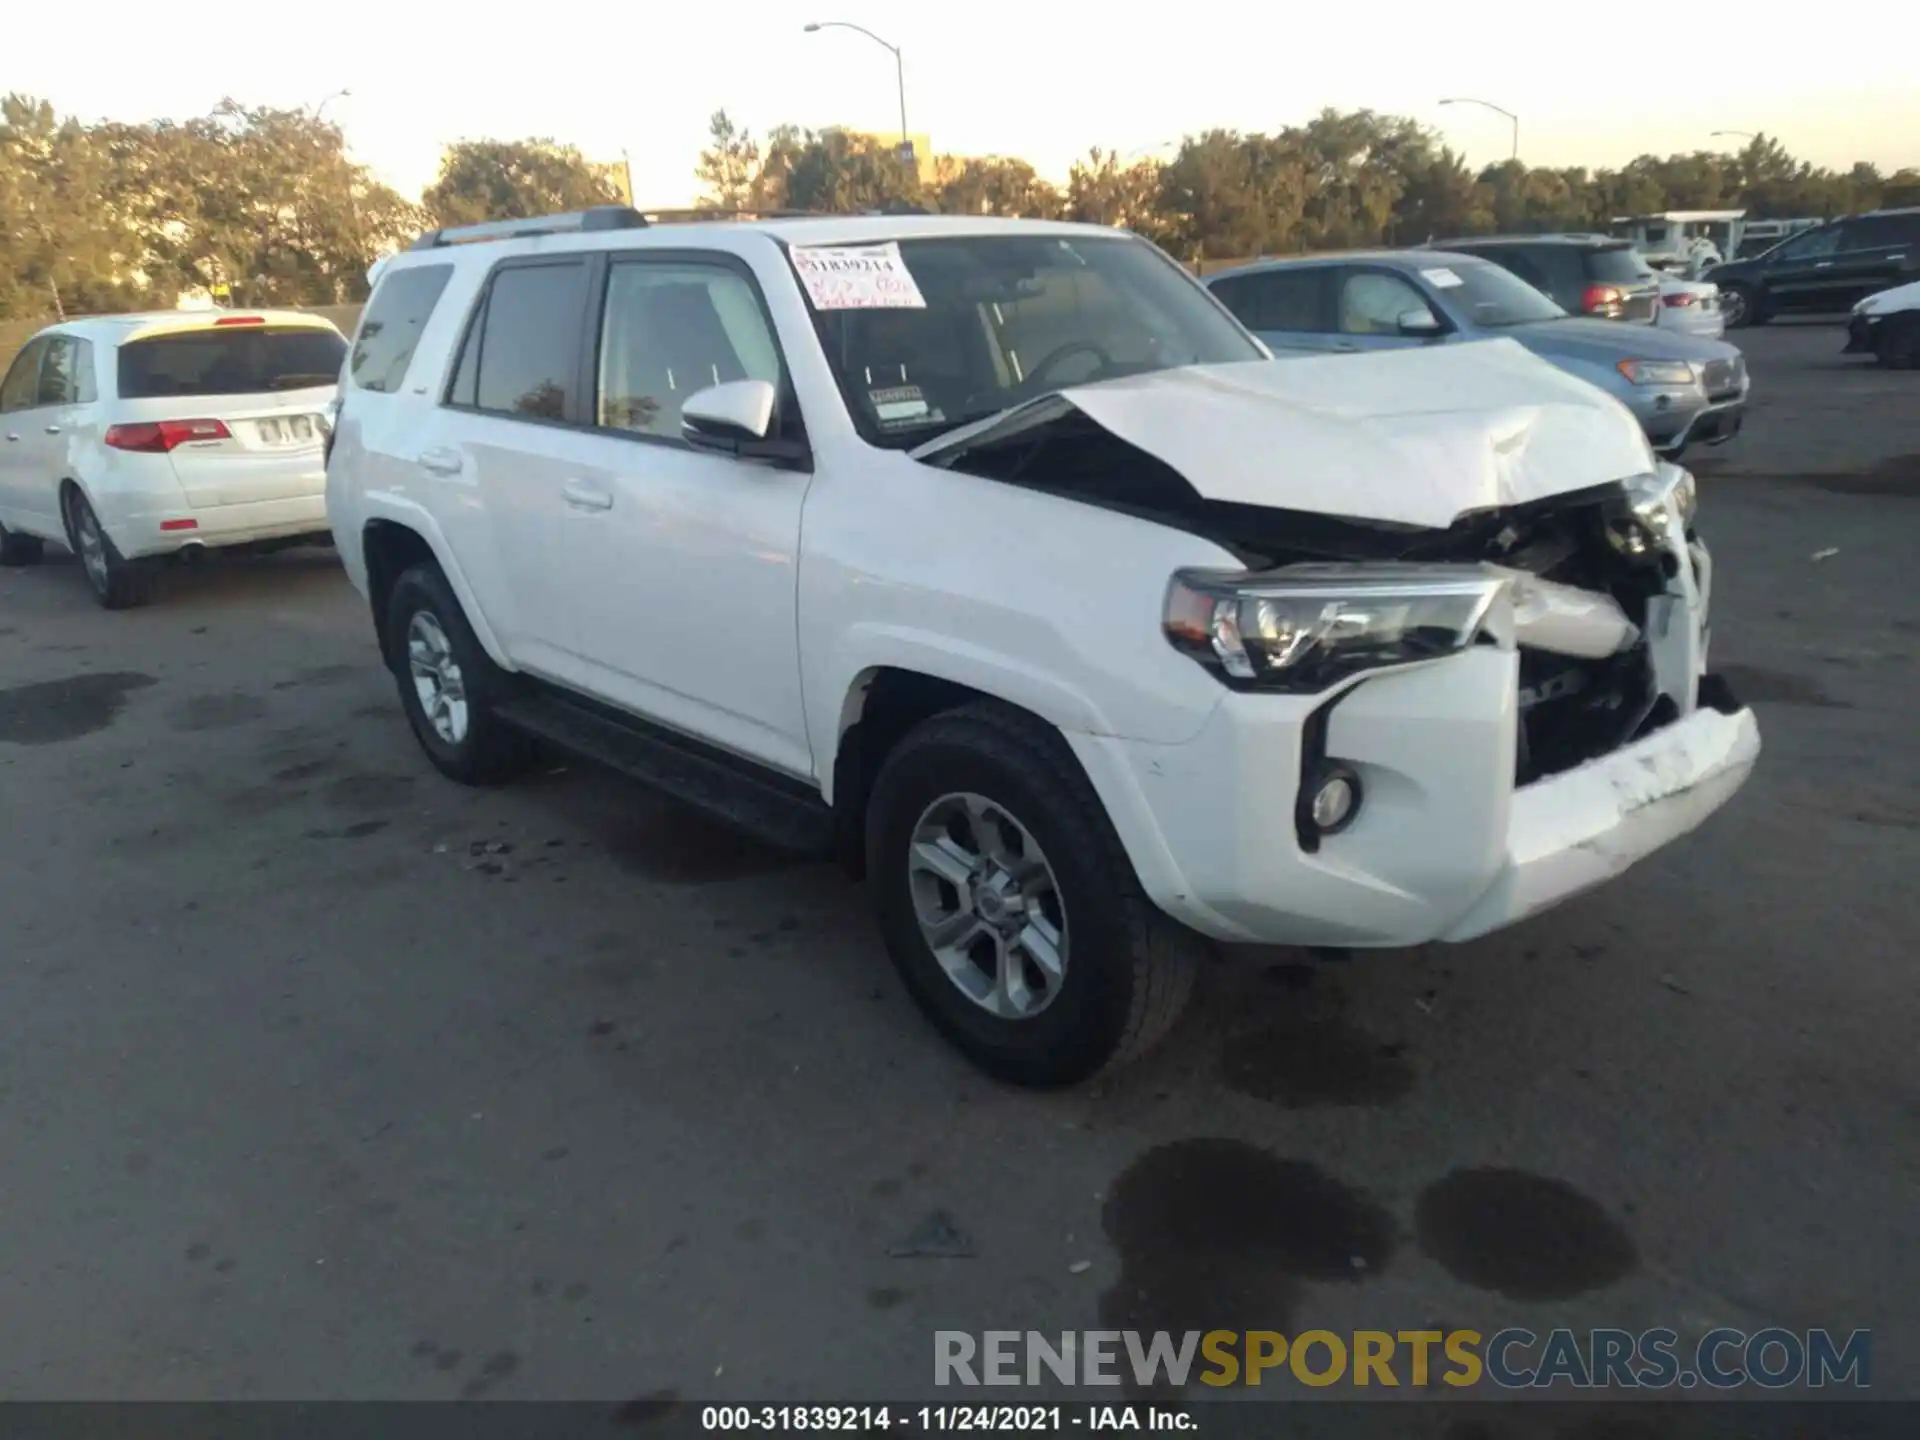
(306, 770)
(1753, 682)
(52, 711)
(219, 712)
(1301, 1063)
(1217, 1233)
(680, 846)
(370, 792)
(653, 1408)
(495, 1368)
(1525, 1236)
(319, 675)
(885, 1297)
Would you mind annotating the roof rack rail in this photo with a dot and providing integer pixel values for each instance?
(696, 213)
(597, 217)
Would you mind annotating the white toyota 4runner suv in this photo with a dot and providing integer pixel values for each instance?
(997, 557)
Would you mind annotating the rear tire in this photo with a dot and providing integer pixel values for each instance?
(117, 582)
(448, 684)
(1741, 306)
(1123, 971)
(16, 550)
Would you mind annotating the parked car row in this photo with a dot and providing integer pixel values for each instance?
(1683, 389)
(993, 558)
(134, 437)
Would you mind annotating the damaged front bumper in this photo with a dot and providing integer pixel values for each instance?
(1467, 820)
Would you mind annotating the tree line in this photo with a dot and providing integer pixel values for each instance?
(264, 206)
(1342, 179)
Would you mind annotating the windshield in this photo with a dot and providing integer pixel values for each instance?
(230, 362)
(1008, 318)
(1497, 298)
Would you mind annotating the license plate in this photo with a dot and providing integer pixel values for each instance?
(288, 430)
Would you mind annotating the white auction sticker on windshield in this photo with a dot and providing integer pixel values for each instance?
(856, 277)
(1442, 278)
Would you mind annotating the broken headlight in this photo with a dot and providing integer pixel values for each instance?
(1303, 627)
(1658, 502)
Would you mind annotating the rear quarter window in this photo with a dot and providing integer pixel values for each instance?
(390, 330)
(1617, 266)
(230, 362)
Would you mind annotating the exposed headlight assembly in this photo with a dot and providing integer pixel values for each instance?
(1658, 503)
(1658, 372)
(1303, 627)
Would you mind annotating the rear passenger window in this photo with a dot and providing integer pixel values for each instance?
(672, 329)
(525, 349)
(389, 331)
(1276, 299)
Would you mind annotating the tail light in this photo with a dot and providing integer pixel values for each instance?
(1602, 300)
(240, 320)
(1679, 299)
(158, 437)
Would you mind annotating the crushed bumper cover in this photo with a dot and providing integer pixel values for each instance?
(1577, 830)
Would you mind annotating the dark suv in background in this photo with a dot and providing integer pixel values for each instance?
(1826, 270)
(1587, 274)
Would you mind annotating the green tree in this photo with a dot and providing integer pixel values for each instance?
(513, 180)
(1101, 190)
(730, 165)
(996, 186)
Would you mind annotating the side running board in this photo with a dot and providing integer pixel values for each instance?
(764, 804)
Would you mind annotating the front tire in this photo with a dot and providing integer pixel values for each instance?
(1009, 906)
(16, 550)
(117, 582)
(448, 684)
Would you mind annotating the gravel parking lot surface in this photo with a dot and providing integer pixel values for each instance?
(322, 1077)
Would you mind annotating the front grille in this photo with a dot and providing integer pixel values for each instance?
(1723, 378)
(1573, 711)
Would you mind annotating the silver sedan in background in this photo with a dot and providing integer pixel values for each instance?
(1684, 389)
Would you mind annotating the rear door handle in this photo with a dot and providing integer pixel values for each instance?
(582, 496)
(441, 460)
(1345, 345)
(53, 429)
(12, 436)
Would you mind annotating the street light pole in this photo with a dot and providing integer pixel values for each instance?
(1743, 134)
(1489, 105)
(899, 70)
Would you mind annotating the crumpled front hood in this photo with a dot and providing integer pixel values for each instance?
(1415, 437)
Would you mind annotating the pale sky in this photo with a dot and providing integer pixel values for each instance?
(1043, 82)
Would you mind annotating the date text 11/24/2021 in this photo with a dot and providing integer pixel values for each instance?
(979, 1419)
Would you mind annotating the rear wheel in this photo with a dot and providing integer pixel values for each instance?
(117, 582)
(1009, 906)
(448, 684)
(1740, 306)
(20, 549)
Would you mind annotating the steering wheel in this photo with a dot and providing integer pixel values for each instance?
(1036, 377)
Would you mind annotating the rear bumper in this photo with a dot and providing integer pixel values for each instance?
(219, 526)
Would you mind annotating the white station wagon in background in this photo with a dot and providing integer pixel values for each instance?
(130, 438)
(997, 557)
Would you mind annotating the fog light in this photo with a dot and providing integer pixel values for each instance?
(1334, 801)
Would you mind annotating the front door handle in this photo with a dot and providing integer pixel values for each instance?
(441, 460)
(582, 496)
(12, 436)
(53, 429)
(1823, 264)
(1345, 345)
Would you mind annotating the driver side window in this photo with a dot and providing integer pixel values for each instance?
(1814, 243)
(21, 389)
(1371, 303)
